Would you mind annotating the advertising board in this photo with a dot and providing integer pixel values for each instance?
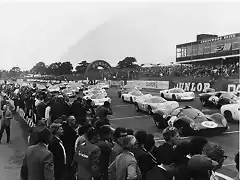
(193, 86)
(149, 84)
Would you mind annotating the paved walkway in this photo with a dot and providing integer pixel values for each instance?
(11, 155)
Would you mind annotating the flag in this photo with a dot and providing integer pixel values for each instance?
(220, 47)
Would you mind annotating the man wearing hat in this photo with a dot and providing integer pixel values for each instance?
(58, 150)
(38, 161)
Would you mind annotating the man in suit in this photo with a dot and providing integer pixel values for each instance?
(38, 161)
(58, 150)
(6, 122)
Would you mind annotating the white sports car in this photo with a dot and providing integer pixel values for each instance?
(54, 88)
(94, 91)
(103, 85)
(177, 94)
(231, 112)
(97, 99)
(154, 103)
(134, 95)
(69, 92)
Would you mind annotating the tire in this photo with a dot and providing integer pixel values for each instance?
(159, 121)
(123, 99)
(183, 128)
(174, 97)
(137, 107)
(228, 116)
(162, 95)
(150, 110)
(131, 100)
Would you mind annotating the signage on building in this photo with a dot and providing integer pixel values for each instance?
(219, 38)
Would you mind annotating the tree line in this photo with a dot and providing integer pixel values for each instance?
(64, 68)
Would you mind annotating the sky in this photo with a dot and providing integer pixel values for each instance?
(34, 31)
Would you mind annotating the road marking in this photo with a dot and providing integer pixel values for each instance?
(232, 164)
(123, 105)
(131, 117)
(223, 176)
(230, 132)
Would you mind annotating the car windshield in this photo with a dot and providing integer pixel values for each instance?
(156, 100)
(177, 90)
(136, 93)
(97, 96)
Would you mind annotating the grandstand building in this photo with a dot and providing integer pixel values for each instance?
(210, 49)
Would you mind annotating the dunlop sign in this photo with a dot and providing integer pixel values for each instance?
(193, 87)
(233, 87)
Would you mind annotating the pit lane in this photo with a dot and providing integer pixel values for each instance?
(125, 115)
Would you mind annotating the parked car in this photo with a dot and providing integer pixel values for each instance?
(97, 99)
(153, 103)
(134, 95)
(94, 90)
(218, 99)
(231, 112)
(191, 121)
(69, 92)
(126, 89)
(54, 88)
(177, 94)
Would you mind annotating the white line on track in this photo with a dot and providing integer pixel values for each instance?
(232, 164)
(131, 117)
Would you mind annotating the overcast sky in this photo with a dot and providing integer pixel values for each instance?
(31, 31)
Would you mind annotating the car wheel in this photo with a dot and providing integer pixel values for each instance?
(228, 116)
(119, 95)
(162, 95)
(150, 110)
(123, 99)
(131, 100)
(203, 103)
(183, 128)
(159, 121)
(137, 107)
(174, 97)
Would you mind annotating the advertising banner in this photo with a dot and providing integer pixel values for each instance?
(192, 86)
(149, 84)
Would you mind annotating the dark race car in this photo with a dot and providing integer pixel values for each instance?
(218, 99)
(190, 121)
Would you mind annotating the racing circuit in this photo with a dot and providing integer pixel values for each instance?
(124, 114)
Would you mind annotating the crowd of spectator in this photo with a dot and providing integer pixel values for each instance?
(74, 141)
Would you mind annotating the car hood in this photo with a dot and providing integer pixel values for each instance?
(207, 122)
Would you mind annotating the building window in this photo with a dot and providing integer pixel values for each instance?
(179, 52)
(200, 49)
(213, 47)
(195, 50)
(189, 50)
(206, 48)
(184, 51)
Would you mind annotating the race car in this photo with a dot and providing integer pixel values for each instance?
(69, 92)
(154, 103)
(134, 95)
(191, 121)
(54, 88)
(94, 91)
(126, 89)
(97, 99)
(103, 85)
(217, 99)
(74, 87)
(177, 94)
(231, 112)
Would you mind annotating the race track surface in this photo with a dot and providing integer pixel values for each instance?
(125, 115)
